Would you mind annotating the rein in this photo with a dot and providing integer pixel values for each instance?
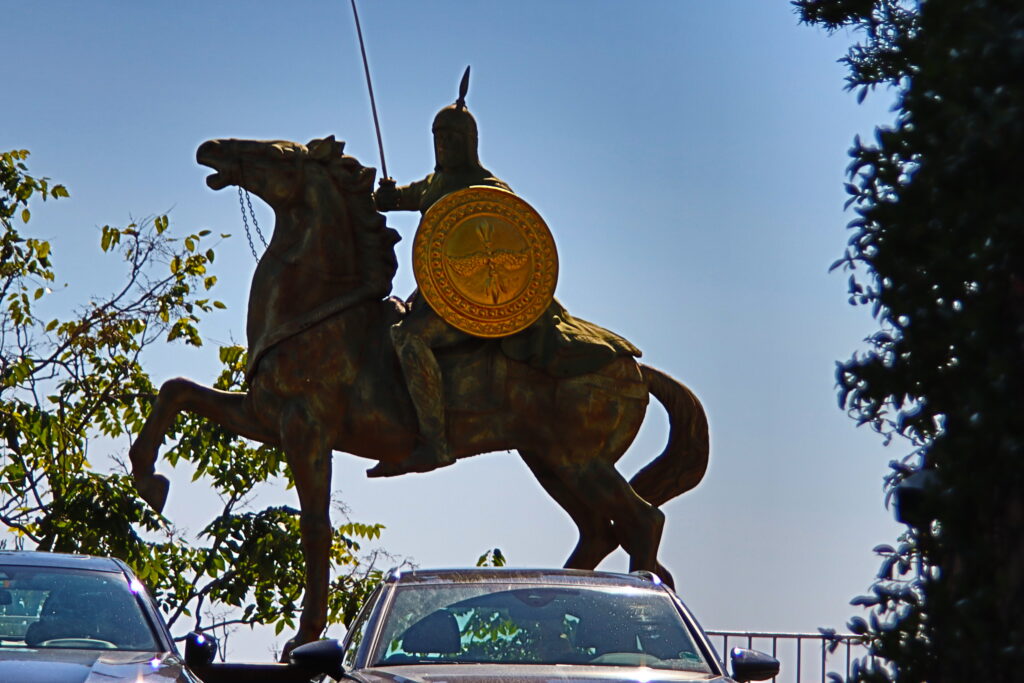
(242, 206)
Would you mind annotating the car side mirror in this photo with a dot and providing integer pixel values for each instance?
(751, 665)
(320, 656)
(200, 649)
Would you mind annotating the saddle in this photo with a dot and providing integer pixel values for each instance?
(563, 345)
(558, 344)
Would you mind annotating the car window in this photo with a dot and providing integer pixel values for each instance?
(354, 638)
(474, 623)
(64, 608)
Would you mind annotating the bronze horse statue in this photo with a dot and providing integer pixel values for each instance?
(323, 376)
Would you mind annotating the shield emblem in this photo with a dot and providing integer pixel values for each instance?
(485, 261)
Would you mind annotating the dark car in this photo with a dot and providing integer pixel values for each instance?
(477, 625)
(79, 618)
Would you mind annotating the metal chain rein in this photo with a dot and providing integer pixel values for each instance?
(248, 235)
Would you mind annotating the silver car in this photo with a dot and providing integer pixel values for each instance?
(531, 626)
(77, 618)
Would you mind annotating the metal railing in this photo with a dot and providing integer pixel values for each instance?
(805, 657)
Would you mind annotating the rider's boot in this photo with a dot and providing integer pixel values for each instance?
(423, 378)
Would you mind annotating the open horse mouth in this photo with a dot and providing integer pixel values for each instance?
(217, 181)
(210, 154)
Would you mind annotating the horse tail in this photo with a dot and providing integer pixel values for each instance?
(682, 464)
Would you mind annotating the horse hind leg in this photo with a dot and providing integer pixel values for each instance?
(596, 535)
(229, 409)
(637, 524)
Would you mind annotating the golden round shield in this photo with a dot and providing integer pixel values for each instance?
(485, 261)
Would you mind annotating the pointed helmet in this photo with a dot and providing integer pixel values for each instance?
(456, 118)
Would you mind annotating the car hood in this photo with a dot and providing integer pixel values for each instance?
(506, 673)
(27, 665)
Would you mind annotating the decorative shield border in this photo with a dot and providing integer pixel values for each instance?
(431, 263)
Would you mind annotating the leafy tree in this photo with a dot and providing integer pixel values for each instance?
(492, 558)
(937, 250)
(73, 393)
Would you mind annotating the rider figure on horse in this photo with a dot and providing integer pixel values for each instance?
(422, 330)
(556, 343)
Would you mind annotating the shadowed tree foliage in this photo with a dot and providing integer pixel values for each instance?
(72, 395)
(937, 252)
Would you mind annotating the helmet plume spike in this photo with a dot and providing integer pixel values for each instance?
(457, 119)
(463, 89)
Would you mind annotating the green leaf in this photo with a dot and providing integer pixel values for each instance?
(25, 215)
(230, 354)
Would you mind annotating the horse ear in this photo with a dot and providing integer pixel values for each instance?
(322, 149)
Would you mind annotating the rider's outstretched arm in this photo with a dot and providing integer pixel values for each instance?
(390, 197)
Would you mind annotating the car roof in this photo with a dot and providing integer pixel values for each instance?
(577, 577)
(36, 558)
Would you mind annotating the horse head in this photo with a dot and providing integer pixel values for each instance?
(278, 171)
(330, 247)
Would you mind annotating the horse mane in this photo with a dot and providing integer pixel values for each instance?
(373, 243)
(340, 252)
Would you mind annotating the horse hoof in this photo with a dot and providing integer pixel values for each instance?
(665, 576)
(293, 643)
(153, 489)
(383, 470)
(394, 470)
(288, 647)
(419, 461)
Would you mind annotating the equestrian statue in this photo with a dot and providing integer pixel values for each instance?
(481, 358)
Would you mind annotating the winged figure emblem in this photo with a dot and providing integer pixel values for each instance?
(494, 260)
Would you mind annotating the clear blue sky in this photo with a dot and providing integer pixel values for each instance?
(688, 157)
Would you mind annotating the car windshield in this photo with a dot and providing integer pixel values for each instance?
(536, 624)
(42, 607)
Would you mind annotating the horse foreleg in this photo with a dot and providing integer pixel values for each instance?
(309, 457)
(229, 409)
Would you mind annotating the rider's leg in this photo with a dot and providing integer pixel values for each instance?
(414, 338)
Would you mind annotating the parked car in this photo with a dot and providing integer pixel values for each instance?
(80, 618)
(491, 624)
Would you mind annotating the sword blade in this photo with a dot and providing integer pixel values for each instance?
(369, 86)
